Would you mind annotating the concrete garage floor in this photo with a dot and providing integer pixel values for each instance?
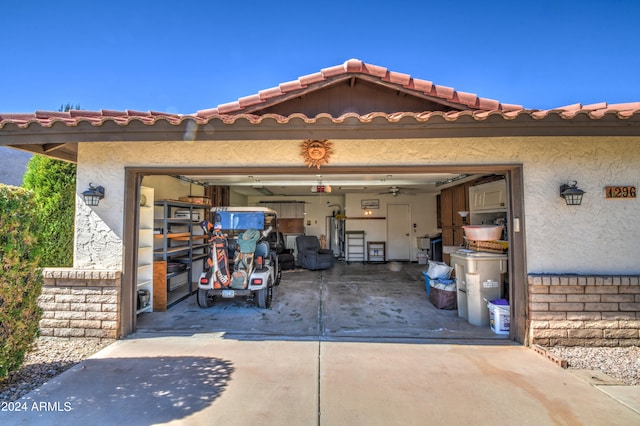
(359, 302)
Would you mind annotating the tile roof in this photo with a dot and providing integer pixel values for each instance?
(474, 107)
(355, 67)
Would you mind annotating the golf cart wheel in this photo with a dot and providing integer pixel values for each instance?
(265, 296)
(278, 274)
(204, 300)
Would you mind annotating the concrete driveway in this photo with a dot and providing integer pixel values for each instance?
(336, 359)
(211, 380)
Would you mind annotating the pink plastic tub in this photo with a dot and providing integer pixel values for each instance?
(483, 232)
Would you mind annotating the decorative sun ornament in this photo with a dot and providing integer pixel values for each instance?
(316, 153)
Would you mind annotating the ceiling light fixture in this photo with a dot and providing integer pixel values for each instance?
(262, 190)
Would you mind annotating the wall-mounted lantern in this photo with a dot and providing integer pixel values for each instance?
(93, 195)
(571, 193)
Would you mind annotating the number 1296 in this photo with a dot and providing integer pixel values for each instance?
(620, 192)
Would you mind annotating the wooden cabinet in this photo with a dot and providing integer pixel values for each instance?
(219, 195)
(488, 197)
(452, 200)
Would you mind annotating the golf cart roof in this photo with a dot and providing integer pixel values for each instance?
(265, 210)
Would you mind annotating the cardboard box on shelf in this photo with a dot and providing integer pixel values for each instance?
(196, 200)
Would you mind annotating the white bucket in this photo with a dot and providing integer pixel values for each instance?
(499, 318)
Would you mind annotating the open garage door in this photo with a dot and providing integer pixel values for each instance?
(398, 212)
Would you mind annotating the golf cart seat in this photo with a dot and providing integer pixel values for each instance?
(262, 250)
(286, 258)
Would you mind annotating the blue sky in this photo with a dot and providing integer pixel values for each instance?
(186, 56)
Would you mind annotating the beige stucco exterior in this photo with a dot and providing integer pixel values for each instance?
(599, 237)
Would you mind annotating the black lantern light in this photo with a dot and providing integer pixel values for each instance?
(93, 195)
(571, 193)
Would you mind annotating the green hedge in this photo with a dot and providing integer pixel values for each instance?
(53, 184)
(21, 278)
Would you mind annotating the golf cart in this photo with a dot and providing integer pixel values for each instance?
(243, 261)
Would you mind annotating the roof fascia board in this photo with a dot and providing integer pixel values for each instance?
(71, 157)
(268, 128)
(322, 129)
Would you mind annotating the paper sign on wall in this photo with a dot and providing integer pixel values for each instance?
(490, 284)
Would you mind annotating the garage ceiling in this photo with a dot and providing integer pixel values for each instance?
(341, 184)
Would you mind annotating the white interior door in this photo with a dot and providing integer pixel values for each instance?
(398, 232)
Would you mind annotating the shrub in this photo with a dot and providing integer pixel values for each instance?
(53, 183)
(21, 278)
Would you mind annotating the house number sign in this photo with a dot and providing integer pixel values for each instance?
(620, 192)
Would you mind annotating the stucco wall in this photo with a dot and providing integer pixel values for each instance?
(599, 237)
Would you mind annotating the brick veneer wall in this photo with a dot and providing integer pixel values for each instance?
(576, 310)
(80, 303)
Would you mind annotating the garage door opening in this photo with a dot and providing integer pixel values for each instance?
(420, 204)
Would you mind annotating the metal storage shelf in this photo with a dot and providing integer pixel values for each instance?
(176, 242)
(355, 246)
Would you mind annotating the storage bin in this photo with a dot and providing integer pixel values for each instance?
(483, 232)
(432, 282)
(443, 299)
(499, 316)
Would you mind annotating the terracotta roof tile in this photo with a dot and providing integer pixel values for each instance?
(443, 92)
(333, 71)
(353, 65)
(270, 93)
(423, 86)
(595, 106)
(398, 78)
(111, 113)
(213, 111)
(511, 107)
(572, 107)
(97, 118)
(311, 78)
(374, 70)
(249, 100)
(230, 107)
(491, 105)
(466, 98)
(291, 86)
(626, 106)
